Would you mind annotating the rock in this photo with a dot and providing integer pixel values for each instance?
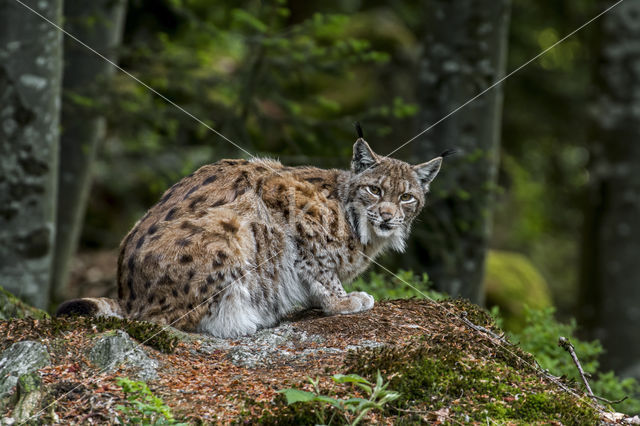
(12, 307)
(113, 348)
(20, 358)
(29, 391)
(278, 345)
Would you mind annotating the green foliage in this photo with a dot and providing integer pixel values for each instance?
(143, 406)
(510, 282)
(540, 337)
(269, 82)
(403, 285)
(352, 409)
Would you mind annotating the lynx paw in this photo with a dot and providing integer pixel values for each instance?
(353, 302)
(366, 300)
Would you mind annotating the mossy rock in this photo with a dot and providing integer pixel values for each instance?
(511, 281)
(12, 307)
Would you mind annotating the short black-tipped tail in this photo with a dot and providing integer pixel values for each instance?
(98, 307)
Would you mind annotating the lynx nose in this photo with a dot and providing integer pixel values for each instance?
(386, 215)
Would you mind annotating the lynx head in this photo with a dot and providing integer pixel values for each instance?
(385, 195)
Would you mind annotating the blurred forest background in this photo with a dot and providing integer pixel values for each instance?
(540, 208)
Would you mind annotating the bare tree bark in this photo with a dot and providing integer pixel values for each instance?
(30, 74)
(465, 47)
(99, 23)
(610, 281)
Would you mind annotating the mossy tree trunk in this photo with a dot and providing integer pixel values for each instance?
(98, 23)
(464, 52)
(30, 74)
(610, 292)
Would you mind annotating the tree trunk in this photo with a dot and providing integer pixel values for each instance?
(610, 292)
(465, 46)
(99, 23)
(30, 73)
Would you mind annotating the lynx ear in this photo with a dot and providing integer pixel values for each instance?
(363, 157)
(427, 172)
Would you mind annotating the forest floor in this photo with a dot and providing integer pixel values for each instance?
(446, 370)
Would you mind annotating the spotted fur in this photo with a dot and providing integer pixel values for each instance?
(238, 244)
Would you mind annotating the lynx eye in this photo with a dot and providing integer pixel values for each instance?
(406, 197)
(374, 190)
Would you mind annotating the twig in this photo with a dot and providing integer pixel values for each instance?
(463, 316)
(565, 344)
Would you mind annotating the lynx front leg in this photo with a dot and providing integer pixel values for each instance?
(334, 300)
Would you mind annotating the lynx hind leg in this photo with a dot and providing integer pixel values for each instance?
(234, 314)
(334, 300)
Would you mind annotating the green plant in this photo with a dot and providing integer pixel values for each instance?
(540, 336)
(354, 408)
(143, 406)
(403, 285)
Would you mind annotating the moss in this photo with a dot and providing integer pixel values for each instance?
(474, 313)
(472, 388)
(147, 333)
(12, 307)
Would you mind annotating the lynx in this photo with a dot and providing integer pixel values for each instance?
(237, 245)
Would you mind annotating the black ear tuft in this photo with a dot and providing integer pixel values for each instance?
(448, 153)
(359, 130)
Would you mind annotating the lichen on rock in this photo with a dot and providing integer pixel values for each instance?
(20, 358)
(113, 348)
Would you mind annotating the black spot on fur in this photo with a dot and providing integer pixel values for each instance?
(162, 300)
(165, 280)
(171, 213)
(186, 258)
(217, 203)
(129, 306)
(209, 180)
(147, 285)
(152, 229)
(314, 179)
(191, 191)
(210, 279)
(240, 191)
(230, 226)
(222, 255)
(131, 263)
(151, 298)
(186, 288)
(196, 201)
(190, 226)
(165, 197)
(261, 169)
(174, 292)
(80, 307)
(132, 294)
(191, 274)
(140, 242)
(216, 263)
(183, 242)
(190, 306)
(204, 288)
